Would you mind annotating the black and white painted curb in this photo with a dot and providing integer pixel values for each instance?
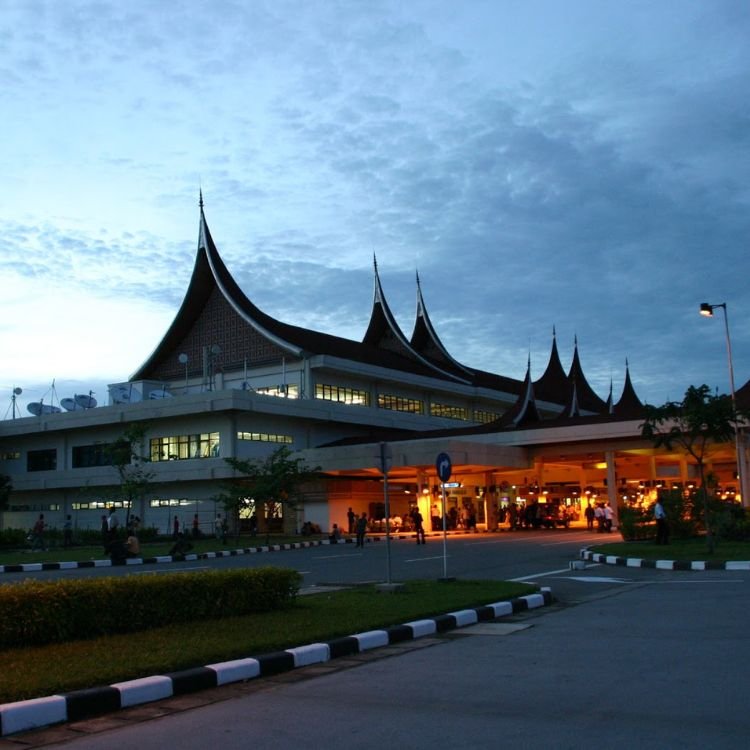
(81, 704)
(636, 562)
(105, 563)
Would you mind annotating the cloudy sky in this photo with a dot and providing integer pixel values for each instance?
(576, 164)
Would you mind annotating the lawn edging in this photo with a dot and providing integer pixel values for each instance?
(82, 704)
(638, 562)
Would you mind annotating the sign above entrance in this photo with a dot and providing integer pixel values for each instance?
(443, 466)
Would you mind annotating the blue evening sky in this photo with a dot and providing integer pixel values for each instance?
(576, 164)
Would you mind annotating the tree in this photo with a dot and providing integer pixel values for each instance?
(271, 481)
(125, 455)
(695, 425)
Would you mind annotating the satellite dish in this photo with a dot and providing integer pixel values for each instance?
(85, 401)
(37, 408)
(183, 359)
(70, 404)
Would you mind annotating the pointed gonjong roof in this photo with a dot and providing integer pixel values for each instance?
(425, 340)
(629, 406)
(384, 332)
(216, 311)
(587, 398)
(553, 385)
(525, 411)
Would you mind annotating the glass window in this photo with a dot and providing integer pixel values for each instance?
(342, 395)
(400, 403)
(180, 447)
(41, 460)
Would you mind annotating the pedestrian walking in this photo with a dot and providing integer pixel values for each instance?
(418, 525)
(361, 530)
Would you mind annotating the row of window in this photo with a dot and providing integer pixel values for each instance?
(358, 397)
(342, 395)
(264, 437)
(179, 447)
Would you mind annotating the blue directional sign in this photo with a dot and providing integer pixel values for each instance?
(443, 466)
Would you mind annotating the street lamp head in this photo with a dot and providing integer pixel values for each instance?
(708, 310)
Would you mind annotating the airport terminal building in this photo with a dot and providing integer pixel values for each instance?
(228, 380)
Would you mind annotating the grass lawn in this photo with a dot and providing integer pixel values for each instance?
(47, 670)
(677, 549)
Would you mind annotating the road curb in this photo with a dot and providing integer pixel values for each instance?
(636, 562)
(82, 704)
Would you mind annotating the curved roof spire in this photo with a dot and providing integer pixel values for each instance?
(587, 398)
(525, 410)
(425, 340)
(384, 332)
(629, 405)
(553, 385)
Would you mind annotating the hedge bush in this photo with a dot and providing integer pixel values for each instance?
(36, 612)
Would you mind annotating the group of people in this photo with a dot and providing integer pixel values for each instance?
(599, 516)
(359, 524)
(117, 547)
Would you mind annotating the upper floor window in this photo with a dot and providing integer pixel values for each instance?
(450, 411)
(178, 447)
(264, 437)
(483, 416)
(41, 460)
(91, 455)
(400, 403)
(342, 395)
(282, 391)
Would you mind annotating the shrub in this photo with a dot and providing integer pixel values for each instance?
(35, 612)
(635, 524)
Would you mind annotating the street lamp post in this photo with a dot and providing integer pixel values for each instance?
(707, 310)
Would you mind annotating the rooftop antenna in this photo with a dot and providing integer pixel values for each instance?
(14, 408)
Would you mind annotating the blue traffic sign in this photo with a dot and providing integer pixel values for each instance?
(443, 466)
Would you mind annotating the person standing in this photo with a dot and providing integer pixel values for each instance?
(361, 530)
(599, 516)
(418, 525)
(68, 531)
(351, 517)
(175, 528)
(113, 523)
(662, 527)
(37, 533)
(221, 530)
(589, 513)
(608, 517)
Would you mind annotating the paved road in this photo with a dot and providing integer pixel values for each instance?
(495, 556)
(628, 658)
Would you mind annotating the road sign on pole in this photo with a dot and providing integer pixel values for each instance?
(443, 466)
(444, 470)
